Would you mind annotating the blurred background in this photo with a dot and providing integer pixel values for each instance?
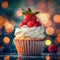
(11, 15)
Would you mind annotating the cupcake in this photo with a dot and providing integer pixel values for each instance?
(29, 36)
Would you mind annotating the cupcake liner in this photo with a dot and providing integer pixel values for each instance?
(29, 47)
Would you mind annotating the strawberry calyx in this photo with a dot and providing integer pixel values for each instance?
(29, 11)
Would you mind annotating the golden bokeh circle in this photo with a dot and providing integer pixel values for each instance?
(49, 30)
(19, 13)
(9, 28)
(48, 23)
(56, 18)
(48, 42)
(6, 40)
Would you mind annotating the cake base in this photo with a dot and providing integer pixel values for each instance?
(29, 47)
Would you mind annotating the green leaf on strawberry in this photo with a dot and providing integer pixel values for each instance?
(24, 12)
(36, 13)
(29, 11)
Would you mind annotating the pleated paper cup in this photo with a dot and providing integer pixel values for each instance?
(29, 47)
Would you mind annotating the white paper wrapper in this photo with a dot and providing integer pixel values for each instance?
(29, 47)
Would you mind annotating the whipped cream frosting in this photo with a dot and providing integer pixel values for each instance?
(33, 32)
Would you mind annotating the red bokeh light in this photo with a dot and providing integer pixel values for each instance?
(4, 4)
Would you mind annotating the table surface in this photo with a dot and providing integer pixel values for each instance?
(15, 56)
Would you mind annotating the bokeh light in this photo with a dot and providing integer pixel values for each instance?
(48, 42)
(1, 22)
(41, 5)
(56, 18)
(5, 20)
(9, 27)
(51, 3)
(6, 57)
(59, 35)
(4, 4)
(58, 38)
(48, 57)
(49, 30)
(30, 2)
(44, 17)
(1, 19)
(19, 13)
(1, 25)
(48, 23)
(6, 40)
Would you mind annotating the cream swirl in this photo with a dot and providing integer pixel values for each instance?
(33, 32)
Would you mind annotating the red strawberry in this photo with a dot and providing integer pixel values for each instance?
(31, 24)
(29, 15)
(38, 23)
(33, 17)
(26, 21)
(52, 48)
(27, 18)
(22, 24)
